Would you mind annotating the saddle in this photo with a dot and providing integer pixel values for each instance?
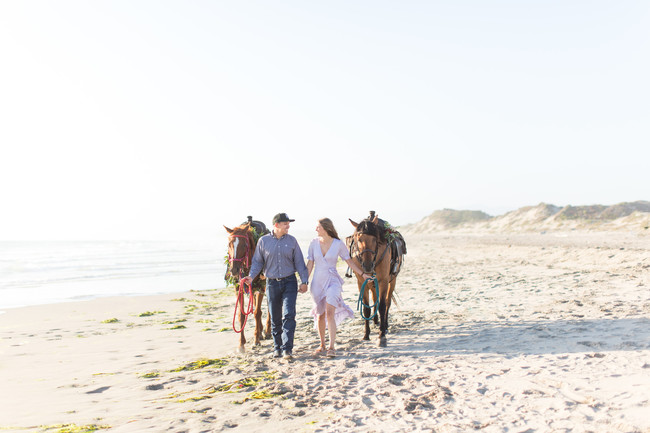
(398, 251)
(259, 226)
(396, 242)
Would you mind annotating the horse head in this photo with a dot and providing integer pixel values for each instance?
(367, 237)
(240, 250)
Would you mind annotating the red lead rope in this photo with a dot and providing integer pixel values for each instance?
(239, 305)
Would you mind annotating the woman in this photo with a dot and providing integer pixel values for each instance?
(326, 286)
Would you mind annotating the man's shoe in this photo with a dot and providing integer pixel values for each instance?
(287, 354)
(277, 354)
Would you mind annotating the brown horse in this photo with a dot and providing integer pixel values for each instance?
(372, 249)
(241, 247)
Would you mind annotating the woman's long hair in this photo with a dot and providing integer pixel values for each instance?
(328, 226)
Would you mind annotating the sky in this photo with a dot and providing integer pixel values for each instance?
(169, 119)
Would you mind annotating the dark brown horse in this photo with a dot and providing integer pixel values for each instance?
(241, 247)
(373, 250)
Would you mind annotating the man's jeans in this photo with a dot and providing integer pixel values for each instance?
(282, 307)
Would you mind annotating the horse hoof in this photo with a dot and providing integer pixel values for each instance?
(257, 343)
(381, 342)
(367, 337)
(241, 349)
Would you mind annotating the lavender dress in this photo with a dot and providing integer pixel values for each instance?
(326, 285)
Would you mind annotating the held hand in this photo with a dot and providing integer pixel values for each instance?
(303, 288)
(247, 280)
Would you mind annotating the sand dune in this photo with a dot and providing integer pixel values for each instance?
(517, 332)
(633, 216)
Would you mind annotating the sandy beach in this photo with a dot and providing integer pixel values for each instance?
(492, 332)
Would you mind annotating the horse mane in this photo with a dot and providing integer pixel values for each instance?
(367, 227)
(246, 230)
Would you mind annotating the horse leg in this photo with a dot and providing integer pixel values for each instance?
(258, 316)
(382, 323)
(383, 313)
(267, 327)
(366, 312)
(389, 298)
(375, 300)
(375, 318)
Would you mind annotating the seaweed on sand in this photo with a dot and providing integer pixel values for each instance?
(202, 363)
(150, 313)
(73, 428)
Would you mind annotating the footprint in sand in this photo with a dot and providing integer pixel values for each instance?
(397, 379)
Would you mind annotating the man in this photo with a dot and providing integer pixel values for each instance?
(279, 256)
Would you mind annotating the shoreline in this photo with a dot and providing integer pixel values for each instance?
(494, 333)
(98, 297)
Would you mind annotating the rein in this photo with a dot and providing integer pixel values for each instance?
(361, 304)
(239, 305)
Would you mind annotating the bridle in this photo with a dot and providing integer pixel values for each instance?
(245, 260)
(373, 252)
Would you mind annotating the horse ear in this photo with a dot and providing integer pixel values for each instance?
(228, 230)
(375, 220)
(353, 223)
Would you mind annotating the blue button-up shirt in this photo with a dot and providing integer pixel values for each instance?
(278, 258)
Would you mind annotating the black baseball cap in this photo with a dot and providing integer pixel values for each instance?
(281, 218)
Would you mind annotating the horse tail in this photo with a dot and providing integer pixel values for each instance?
(393, 299)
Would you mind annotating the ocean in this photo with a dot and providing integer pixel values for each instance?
(33, 273)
